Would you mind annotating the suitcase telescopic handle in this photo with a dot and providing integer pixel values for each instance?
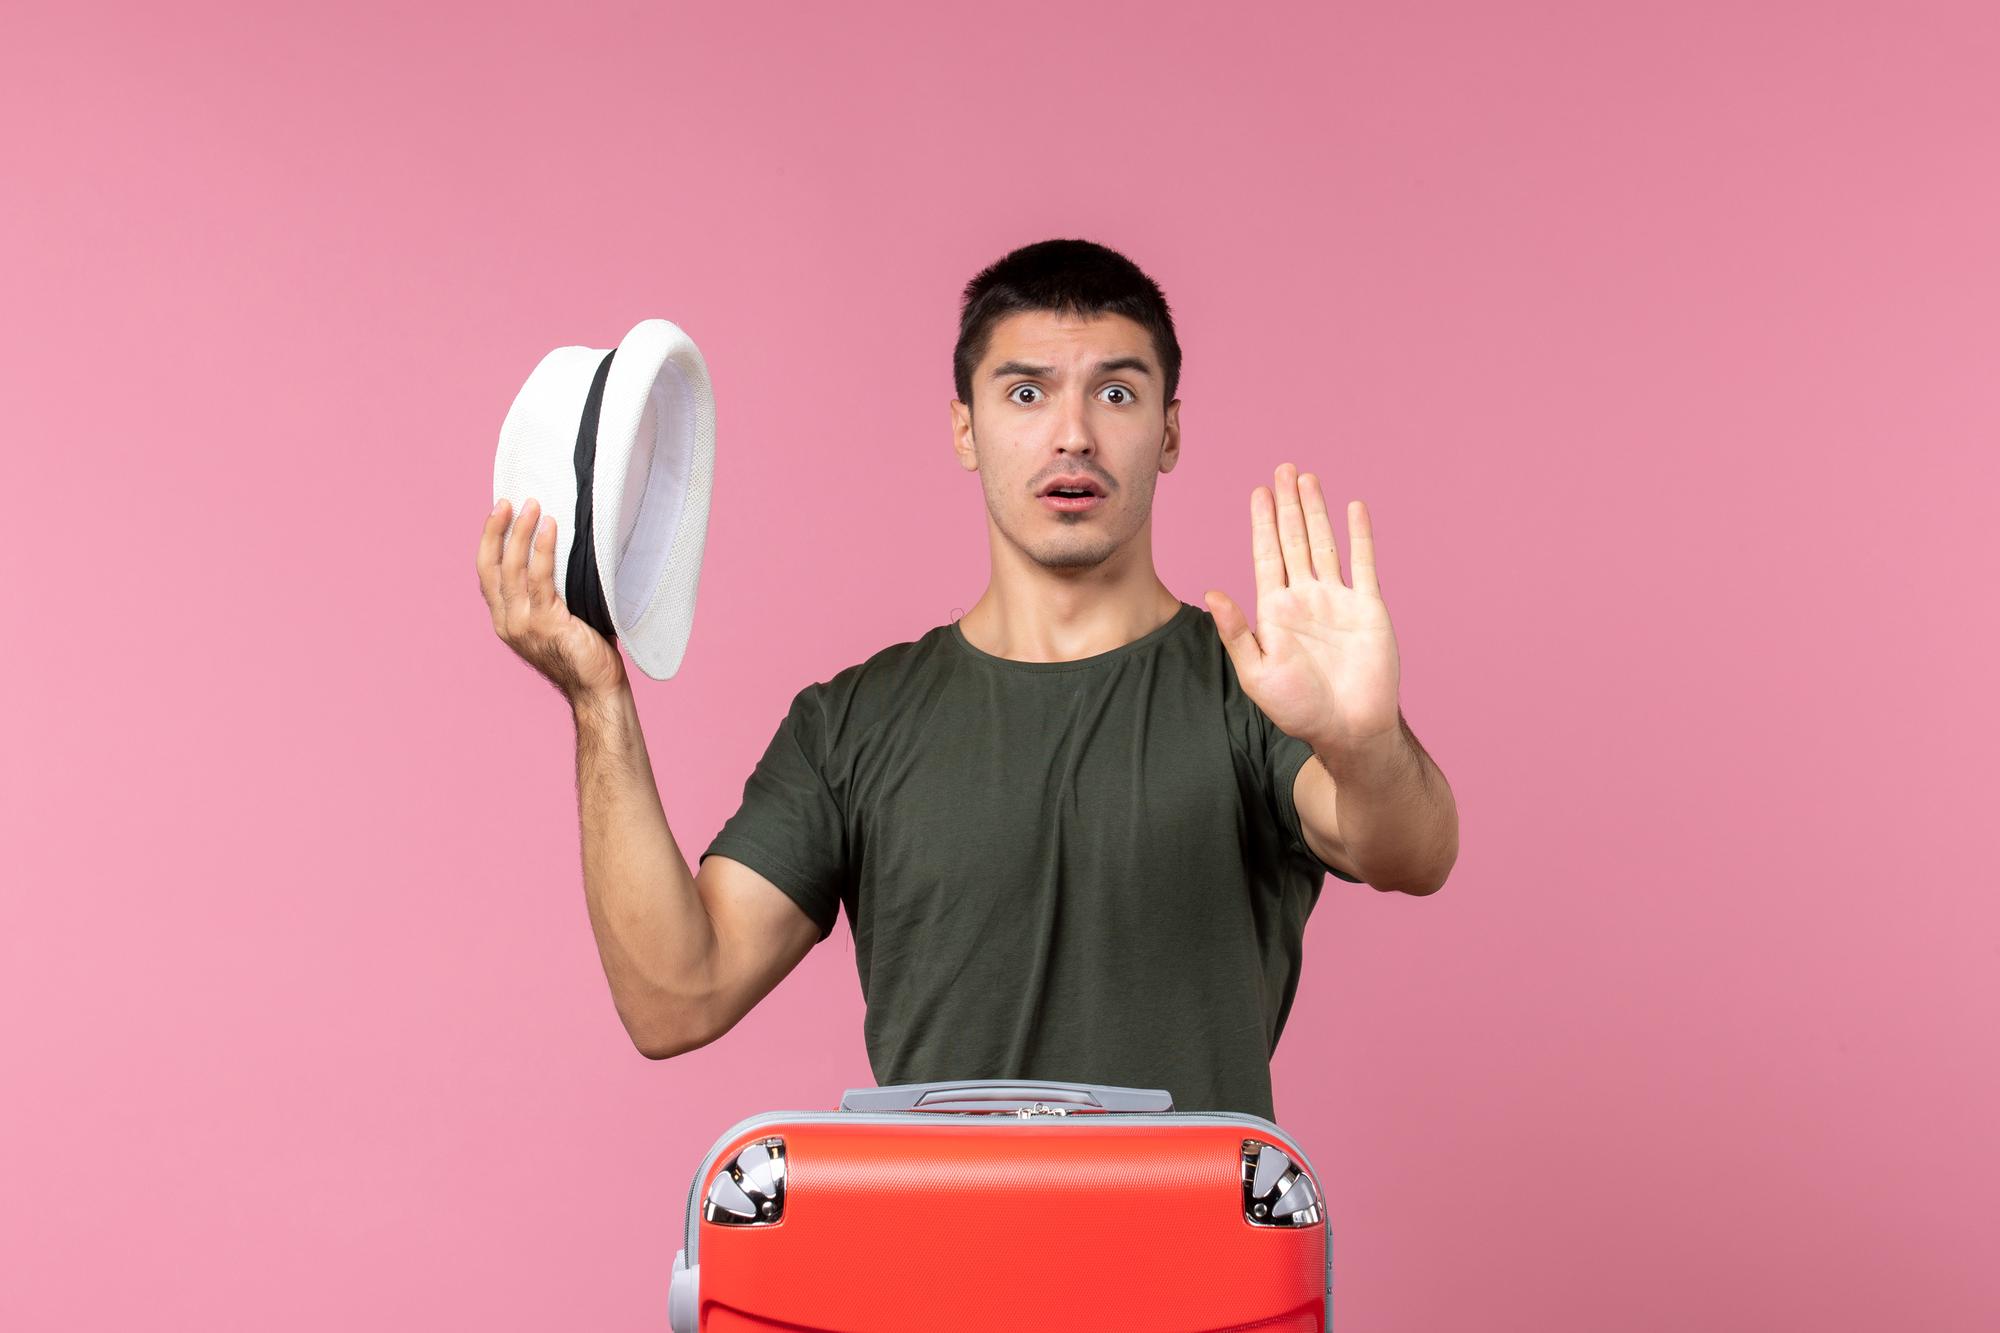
(1000, 1095)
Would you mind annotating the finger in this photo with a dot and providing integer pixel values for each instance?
(1361, 548)
(1319, 529)
(514, 560)
(1264, 544)
(487, 562)
(542, 564)
(1292, 527)
(1234, 630)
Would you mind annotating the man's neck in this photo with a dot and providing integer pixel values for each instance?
(1062, 624)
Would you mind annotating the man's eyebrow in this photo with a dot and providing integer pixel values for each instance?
(1006, 368)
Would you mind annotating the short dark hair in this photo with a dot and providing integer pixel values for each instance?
(1069, 277)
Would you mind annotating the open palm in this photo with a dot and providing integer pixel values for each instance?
(1322, 661)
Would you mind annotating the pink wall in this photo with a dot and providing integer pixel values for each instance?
(1659, 338)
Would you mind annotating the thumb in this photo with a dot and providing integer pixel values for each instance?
(1234, 628)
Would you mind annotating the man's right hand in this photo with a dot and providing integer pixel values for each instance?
(529, 615)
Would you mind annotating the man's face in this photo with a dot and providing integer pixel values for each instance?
(1061, 397)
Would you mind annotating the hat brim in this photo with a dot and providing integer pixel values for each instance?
(650, 491)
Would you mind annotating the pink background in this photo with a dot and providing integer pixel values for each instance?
(1659, 338)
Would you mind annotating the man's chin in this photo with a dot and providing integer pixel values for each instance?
(1066, 555)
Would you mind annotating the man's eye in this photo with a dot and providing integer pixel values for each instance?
(1125, 394)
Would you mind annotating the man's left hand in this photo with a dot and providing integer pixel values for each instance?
(1322, 662)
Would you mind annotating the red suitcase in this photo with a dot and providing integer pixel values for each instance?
(995, 1204)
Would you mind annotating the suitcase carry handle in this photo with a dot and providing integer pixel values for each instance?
(1004, 1095)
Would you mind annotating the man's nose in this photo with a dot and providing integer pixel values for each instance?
(1073, 431)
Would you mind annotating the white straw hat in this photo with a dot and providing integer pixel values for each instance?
(632, 432)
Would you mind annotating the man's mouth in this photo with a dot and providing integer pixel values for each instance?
(1072, 494)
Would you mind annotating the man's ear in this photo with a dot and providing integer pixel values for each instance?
(1170, 441)
(962, 442)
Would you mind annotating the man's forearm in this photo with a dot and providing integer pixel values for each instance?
(1396, 816)
(653, 931)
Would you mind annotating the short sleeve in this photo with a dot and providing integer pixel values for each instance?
(789, 828)
(1284, 756)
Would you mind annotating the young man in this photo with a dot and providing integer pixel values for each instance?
(1078, 832)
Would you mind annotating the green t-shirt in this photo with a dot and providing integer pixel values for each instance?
(1088, 871)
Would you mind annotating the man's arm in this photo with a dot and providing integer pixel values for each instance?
(1382, 812)
(686, 955)
(1323, 666)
